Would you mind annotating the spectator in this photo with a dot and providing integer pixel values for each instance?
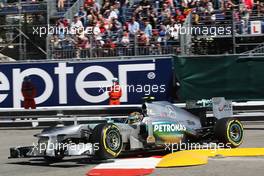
(3, 3)
(162, 35)
(143, 40)
(98, 33)
(112, 13)
(76, 25)
(82, 15)
(105, 7)
(81, 43)
(116, 7)
(62, 23)
(109, 47)
(88, 3)
(145, 6)
(133, 27)
(244, 19)
(148, 29)
(115, 26)
(260, 7)
(55, 42)
(125, 39)
(61, 5)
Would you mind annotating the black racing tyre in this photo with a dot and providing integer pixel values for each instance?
(229, 131)
(59, 155)
(53, 159)
(109, 141)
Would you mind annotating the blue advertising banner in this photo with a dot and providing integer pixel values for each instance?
(86, 82)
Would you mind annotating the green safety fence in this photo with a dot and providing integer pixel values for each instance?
(233, 77)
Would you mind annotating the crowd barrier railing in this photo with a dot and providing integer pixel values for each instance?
(118, 51)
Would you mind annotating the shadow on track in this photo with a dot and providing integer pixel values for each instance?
(65, 163)
(256, 128)
(79, 162)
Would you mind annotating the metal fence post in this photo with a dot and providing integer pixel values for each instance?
(91, 46)
(186, 39)
(234, 32)
(136, 45)
(48, 56)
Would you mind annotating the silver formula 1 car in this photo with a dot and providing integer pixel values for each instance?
(157, 125)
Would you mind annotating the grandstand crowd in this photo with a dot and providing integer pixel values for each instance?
(112, 27)
(62, 5)
(147, 23)
(128, 24)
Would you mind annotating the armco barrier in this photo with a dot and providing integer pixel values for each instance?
(47, 116)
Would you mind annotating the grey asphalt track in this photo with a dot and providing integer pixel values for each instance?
(235, 166)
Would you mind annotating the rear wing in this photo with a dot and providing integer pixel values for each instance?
(219, 105)
(222, 108)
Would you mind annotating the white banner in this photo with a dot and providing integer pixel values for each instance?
(255, 27)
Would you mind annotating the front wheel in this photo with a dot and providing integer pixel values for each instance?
(109, 139)
(53, 159)
(229, 131)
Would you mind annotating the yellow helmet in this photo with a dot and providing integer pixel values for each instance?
(135, 117)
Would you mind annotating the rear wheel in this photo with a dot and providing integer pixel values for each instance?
(109, 141)
(229, 131)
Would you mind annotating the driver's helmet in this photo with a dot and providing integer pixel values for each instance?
(135, 117)
(115, 80)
